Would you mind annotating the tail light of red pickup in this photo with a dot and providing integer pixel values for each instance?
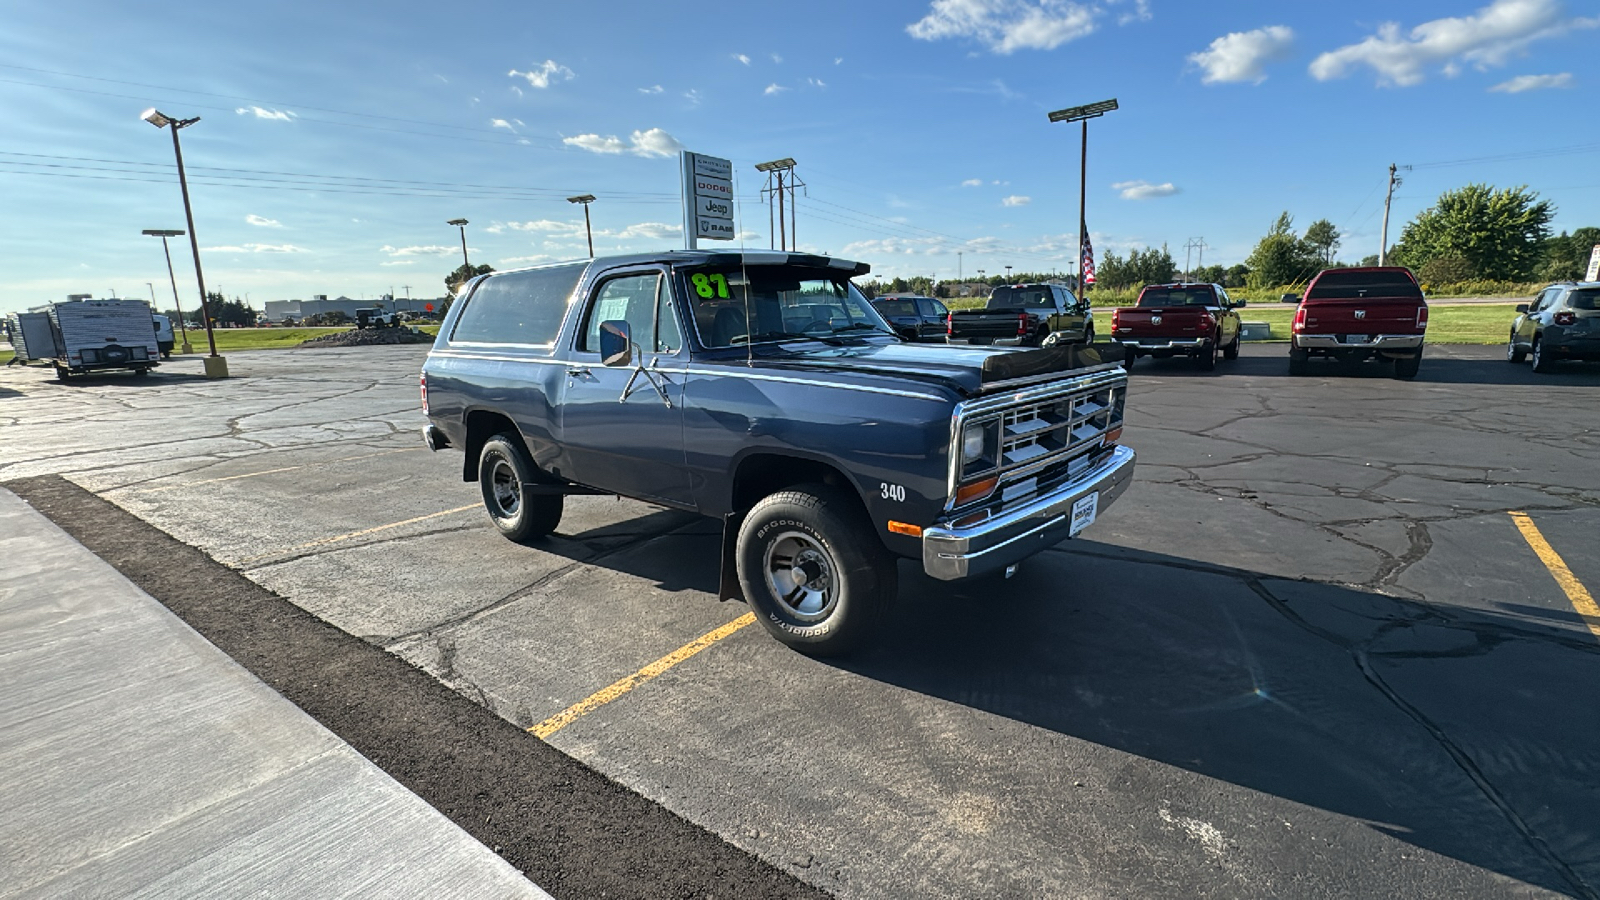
(1422, 318)
(1565, 317)
(1300, 319)
(1116, 320)
(1022, 324)
(949, 324)
(423, 381)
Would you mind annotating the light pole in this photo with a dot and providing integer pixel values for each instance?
(585, 199)
(216, 366)
(1008, 274)
(165, 233)
(466, 264)
(1083, 114)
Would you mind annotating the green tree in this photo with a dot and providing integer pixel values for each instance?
(1281, 257)
(1500, 233)
(1112, 272)
(1448, 269)
(1322, 239)
(1566, 257)
(1211, 275)
(1238, 276)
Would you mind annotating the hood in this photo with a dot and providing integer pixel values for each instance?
(965, 370)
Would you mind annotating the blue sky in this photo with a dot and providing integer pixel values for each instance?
(337, 139)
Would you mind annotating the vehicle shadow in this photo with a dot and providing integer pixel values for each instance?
(1436, 369)
(1436, 725)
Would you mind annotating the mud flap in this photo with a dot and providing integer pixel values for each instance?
(729, 588)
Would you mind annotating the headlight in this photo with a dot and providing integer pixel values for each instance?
(972, 443)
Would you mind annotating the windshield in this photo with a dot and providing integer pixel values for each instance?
(1191, 296)
(1026, 298)
(736, 305)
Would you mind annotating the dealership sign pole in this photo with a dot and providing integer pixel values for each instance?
(707, 199)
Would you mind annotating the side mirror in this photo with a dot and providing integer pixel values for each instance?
(616, 343)
(1238, 303)
(1522, 307)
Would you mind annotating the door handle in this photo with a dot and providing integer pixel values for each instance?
(576, 371)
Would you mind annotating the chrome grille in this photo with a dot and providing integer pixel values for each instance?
(1031, 433)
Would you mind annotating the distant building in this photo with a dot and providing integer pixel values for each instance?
(278, 310)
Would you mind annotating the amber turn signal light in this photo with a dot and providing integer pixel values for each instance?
(905, 528)
(976, 490)
(1112, 437)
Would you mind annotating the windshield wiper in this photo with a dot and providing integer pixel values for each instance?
(853, 326)
(785, 335)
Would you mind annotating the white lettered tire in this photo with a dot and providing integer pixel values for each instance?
(813, 571)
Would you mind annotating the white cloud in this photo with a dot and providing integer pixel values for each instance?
(544, 73)
(972, 182)
(514, 88)
(1533, 83)
(816, 82)
(776, 58)
(261, 113)
(1490, 37)
(742, 58)
(1006, 26)
(530, 260)
(256, 248)
(1016, 200)
(501, 123)
(693, 96)
(550, 226)
(652, 89)
(774, 88)
(654, 231)
(837, 60)
(429, 250)
(652, 143)
(399, 262)
(1140, 13)
(262, 221)
(1144, 190)
(1242, 55)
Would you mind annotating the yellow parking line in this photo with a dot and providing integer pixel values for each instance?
(355, 534)
(1576, 592)
(174, 487)
(600, 698)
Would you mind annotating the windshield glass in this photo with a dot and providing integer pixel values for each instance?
(1024, 297)
(1189, 296)
(1336, 284)
(735, 305)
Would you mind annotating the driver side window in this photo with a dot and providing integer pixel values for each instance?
(639, 301)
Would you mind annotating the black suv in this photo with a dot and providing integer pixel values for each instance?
(1562, 322)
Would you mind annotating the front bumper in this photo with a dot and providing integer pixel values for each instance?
(1358, 341)
(950, 552)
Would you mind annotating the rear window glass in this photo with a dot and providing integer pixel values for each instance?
(897, 307)
(1354, 285)
(519, 307)
(1584, 299)
(1186, 296)
(1025, 297)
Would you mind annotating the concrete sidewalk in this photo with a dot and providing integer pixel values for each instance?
(136, 759)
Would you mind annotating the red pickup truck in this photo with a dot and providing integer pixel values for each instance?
(1194, 320)
(1374, 312)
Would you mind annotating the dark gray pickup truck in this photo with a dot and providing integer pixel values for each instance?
(763, 389)
(1027, 315)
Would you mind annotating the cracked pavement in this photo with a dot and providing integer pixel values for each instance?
(1308, 654)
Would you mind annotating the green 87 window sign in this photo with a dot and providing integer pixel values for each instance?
(709, 285)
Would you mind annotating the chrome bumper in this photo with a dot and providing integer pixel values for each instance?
(950, 552)
(985, 341)
(1172, 344)
(1369, 342)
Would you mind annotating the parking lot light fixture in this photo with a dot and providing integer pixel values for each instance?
(466, 264)
(216, 365)
(165, 233)
(1083, 114)
(585, 199)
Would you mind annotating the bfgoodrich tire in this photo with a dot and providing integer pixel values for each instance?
(503, 470)
(814, 572)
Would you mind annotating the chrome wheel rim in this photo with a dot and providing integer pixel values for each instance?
(802, 575)
(506, 489)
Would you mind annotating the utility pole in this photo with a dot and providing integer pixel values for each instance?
(407, 288)
(959, 270)
(1394, 180)
(1194, 243)
(788, 234)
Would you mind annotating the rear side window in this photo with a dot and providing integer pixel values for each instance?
(1337, 284)
(1025, 297)
(897, 307)
(519, 307)
(1197, 295)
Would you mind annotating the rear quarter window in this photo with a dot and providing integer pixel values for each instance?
(1188, 296)
(518, 307)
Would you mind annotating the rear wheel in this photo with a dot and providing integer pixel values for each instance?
(1541, 360)
(504, 470)
(813, 571)
(1406, 367)
(1299, 361)
(1514, 354)
(1207, 357)
(62, 373)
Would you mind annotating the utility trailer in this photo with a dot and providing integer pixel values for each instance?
(80, 336)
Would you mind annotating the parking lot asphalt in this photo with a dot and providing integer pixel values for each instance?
(1311, 652)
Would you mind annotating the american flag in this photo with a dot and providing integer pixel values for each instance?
(1088, 260)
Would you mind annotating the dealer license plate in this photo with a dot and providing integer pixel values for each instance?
(1083, 512)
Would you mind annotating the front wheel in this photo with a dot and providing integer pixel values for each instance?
(504, 470)
(813, 571)
(1232, 350)
(1514, 354)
